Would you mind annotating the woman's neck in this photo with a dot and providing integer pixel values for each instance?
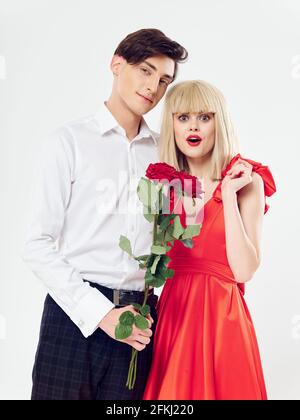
(200, 167)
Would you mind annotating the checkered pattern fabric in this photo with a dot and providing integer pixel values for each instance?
(69, 366)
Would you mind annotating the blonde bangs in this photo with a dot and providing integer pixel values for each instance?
(192, 97)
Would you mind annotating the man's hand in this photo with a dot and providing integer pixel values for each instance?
(138, 339)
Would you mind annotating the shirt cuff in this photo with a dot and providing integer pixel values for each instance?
(91, 309)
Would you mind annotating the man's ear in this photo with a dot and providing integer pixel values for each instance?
(116, 64)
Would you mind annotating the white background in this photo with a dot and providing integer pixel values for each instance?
(54, 66)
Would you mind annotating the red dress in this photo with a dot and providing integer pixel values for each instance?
(205, 346)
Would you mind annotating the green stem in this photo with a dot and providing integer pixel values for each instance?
(134, 369)
(155, 228)
(130, 371)
(146, 295)
(131, 378)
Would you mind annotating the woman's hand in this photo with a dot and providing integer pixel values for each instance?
(237, 177)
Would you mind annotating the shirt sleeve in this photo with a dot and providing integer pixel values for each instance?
(84, 304)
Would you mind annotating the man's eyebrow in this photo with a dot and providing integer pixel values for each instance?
(154, 68)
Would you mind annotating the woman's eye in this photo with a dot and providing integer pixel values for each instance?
(204, 117)
(183, 118)
(164, 82)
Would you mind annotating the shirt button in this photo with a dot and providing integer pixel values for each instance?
(80, 323)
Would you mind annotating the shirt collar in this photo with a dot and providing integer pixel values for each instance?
(107, 122)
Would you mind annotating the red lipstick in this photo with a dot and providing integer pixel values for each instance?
(194, 140)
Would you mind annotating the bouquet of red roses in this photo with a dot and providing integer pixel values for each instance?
(161, 194)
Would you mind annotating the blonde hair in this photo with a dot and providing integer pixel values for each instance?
(198, 96)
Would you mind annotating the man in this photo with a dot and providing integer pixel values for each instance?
(84, 201)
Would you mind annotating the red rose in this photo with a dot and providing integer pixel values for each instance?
(161, 171)
(191, 185)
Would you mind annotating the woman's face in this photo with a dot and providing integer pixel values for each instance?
(194, 133)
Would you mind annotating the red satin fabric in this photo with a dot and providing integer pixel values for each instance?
(205, 345)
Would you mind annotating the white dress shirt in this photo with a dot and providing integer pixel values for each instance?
(85, 198)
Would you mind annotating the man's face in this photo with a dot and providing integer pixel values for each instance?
(141, 86)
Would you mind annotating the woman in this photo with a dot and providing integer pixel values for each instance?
(205, 345)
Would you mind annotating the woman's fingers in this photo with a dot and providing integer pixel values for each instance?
(236, 170)
(239, 168)
(242, 162)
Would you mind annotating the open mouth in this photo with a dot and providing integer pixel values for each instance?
(194, 140)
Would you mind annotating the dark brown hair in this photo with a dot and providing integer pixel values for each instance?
(145, 43)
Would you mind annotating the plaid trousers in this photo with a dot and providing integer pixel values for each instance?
(69, 366)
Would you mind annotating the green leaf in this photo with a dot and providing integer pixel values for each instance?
(150, 280)
(160, 218)
(124, 244)
(188, 243)
(190, 231)
(141, 322)
(154, 265)
(137, 306)
(172, 243)
(166, 221)
(169, 236)
(154, 281)
(123, 331)
(165, 259)
(163, 266)
(158, 281)
(148, 194)
(165, 272)
(148, 276)
(127, 318)
(158, 250)
(142, 258)
(145, 310)
(148, 216)
(151, 261)
(159, 237)
(178, 230)
(143, 188)
(169, 231)
(169, 273)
